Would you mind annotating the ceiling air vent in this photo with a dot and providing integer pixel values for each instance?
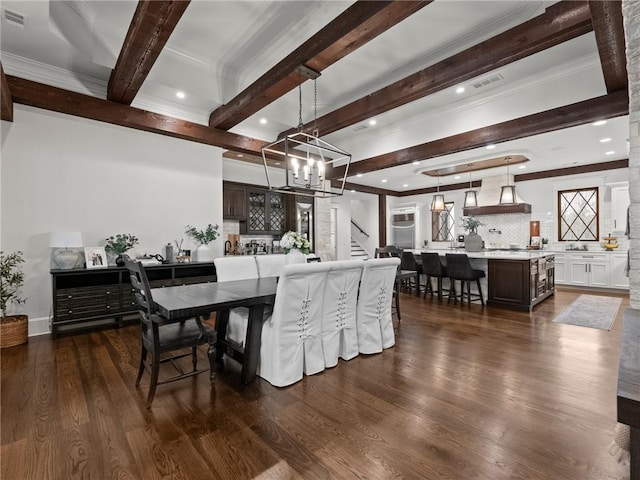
(359, 128)
(484, 82)
(13, 18)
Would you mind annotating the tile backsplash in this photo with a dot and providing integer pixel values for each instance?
(502, 230)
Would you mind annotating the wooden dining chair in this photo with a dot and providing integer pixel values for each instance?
(160, 336)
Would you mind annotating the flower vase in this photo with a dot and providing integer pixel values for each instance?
(473, 242)
(202, 254)
(295, 256)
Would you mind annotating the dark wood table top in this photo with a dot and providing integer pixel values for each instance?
(177, 303)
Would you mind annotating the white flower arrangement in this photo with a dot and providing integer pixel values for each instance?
(291, 240)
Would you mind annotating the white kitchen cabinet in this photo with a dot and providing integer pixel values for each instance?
(560, 268)
(618, 267)
(590, 270)
(619, 204)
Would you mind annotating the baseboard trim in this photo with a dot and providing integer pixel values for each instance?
(39, 326)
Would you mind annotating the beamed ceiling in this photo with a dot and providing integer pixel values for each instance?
(536, 75)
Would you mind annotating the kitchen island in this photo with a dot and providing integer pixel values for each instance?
(515, 279)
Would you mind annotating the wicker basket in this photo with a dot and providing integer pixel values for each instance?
(14, 330)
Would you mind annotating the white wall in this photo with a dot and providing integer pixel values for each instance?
(60, 172)
(541, 194)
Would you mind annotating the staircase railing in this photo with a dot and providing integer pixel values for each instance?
(359, 228)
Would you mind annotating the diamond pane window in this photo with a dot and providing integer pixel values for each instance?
(442, 224)
(578, 215)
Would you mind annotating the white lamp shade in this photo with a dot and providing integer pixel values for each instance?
(65, 239)
(470, 198)
(437, 204)
(508, 195)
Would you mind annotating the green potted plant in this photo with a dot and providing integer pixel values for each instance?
(119, 244)
(472, 241)
(14, 329)
(204, 237)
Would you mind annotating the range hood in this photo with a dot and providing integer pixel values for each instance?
(489, 196)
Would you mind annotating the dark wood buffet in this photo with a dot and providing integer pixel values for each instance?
(86, 299)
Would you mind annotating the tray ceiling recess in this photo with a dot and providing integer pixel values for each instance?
(478, 165)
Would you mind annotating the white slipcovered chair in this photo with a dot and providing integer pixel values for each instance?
(339, 333)
(240, 267)
(270, 265)
(291, 336)
(373, 318)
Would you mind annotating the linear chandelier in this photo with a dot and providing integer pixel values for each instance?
(299, 163)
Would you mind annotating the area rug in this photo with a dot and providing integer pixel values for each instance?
(591, 311)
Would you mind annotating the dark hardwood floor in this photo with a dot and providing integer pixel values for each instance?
(466, 393)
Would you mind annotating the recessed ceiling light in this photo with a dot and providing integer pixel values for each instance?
(240, 155)
(384, 180)
(605, 140)
(353, 191)
(491, 147)
(598, 123)
(372, 121)
(416, 162)
(180, 94)
(359, 175)
(522, 167)
(405, 185)
(263, 121)
(610, 152)
(457, 177)
(277, 163)
(460, 90)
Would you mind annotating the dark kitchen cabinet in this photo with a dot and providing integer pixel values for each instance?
(234, 201)
(266, 213)
(520, 284)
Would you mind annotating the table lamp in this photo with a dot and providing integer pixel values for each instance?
(61, 242)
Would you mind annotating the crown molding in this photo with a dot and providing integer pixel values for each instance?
(54, 76)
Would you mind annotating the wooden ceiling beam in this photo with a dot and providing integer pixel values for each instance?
(55, 99)
(151, 27)
(561, 22)
(608, 27)
(607, 106)
(561, 172)
(361, 22)
(6, 112)
(367, 189)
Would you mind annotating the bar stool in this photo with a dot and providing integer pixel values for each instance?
(409, 263)
(459, 268)
(433, 267)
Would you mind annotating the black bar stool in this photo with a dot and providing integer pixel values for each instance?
(432, 267)
(459, 268)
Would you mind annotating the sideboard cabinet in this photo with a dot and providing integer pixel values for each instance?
(89, 299)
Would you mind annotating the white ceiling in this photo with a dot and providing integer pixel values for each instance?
(220, 47)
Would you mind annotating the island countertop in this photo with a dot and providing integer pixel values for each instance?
(487, 254)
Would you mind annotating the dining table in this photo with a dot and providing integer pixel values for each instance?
(202, 299)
